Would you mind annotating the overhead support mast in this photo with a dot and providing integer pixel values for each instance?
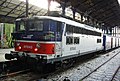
(27, 8)
(63, 5)
(74, 11)
(49, 4)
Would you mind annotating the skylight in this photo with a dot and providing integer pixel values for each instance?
(43, 4)
(119, 2)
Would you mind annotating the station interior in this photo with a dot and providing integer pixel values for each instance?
(103, 15)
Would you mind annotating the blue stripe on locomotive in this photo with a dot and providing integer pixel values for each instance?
(49, 26)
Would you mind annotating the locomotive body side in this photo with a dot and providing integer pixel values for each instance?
(80, 40)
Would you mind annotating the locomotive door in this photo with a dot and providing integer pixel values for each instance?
(58, 39)
(68, 45)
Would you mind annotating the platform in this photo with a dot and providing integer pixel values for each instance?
(2, 53)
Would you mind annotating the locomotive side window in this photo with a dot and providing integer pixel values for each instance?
(74, 29)
(77, 30)
(69, 28)
(76, 40)
(20, 26)
(69, 40)
(98, 40)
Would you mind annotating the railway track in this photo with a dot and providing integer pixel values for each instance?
(35, 77)
(66, 78)
(12, 68)
(112, 79)
(14, 73)
(82, 79)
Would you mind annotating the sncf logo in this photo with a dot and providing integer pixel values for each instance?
(29, 47)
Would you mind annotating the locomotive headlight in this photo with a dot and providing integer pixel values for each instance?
(38, 45)
(19, 47)
(36, 49)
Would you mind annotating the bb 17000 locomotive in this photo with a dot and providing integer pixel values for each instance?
(48, 39)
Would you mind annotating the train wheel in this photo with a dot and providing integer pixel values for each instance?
(67, 63)
(39, 68)
(0, 70)
(49, 68)
(45, 68)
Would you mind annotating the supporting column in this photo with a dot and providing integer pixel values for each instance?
(63, 5)
(95, 23)
(115, 30)
(110, 31)
(85, 19)
(49, 2)
(81, 17)
(106, 30)
(99, 25)
(92, 22)
(27, 8)
(1, 34)
(88, 21)
(74, 11)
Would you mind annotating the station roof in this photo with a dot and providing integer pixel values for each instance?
(106, 11)
(12, 9)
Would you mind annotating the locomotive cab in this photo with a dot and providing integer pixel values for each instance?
(37, 37)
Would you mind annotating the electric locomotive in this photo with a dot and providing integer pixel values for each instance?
(47, 39)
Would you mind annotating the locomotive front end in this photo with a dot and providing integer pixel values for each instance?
(35, 38)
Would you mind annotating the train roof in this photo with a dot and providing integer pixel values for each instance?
(65, 20)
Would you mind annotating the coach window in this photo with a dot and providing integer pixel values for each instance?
(98, 40)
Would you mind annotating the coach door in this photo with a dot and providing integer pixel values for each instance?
(118, 42)
(111, 42)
